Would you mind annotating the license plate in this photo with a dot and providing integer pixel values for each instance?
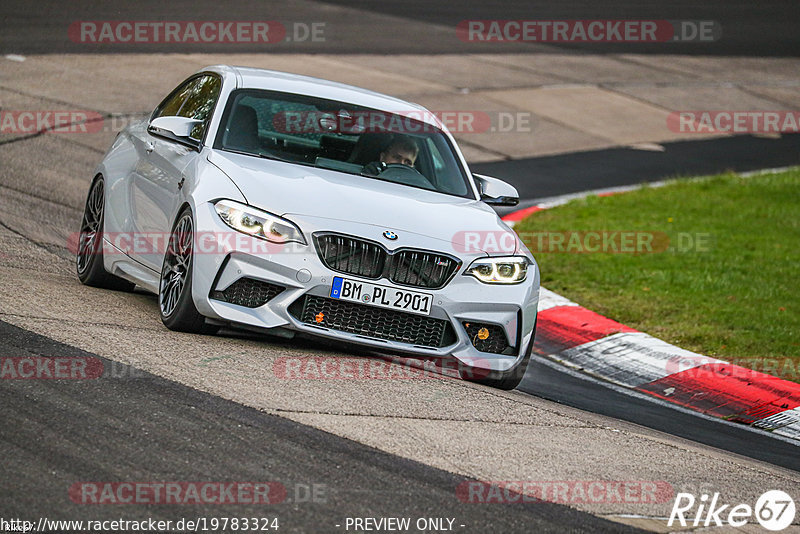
(381, 296)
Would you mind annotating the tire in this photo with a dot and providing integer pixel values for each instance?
(505, 380)
(89, 256)
(175, 303)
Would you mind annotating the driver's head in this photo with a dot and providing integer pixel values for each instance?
(402, 150)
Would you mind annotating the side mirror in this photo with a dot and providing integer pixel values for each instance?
(496, 192)
(176, 128)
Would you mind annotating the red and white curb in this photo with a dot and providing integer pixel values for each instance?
(584, 340)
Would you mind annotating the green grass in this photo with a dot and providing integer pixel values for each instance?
(738, 298)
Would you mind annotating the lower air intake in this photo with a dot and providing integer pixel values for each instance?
(487, 337)
(248, 292)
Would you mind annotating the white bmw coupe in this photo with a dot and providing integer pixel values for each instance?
(260, 199)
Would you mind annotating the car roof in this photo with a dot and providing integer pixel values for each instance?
(273, 80)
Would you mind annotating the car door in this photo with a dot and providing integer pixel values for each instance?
(156, 187)
(135, 183)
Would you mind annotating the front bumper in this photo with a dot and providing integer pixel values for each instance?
(228, 256)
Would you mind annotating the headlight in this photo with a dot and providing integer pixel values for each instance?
(501, 270)
(257, 223)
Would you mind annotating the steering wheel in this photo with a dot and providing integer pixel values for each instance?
(399, 173)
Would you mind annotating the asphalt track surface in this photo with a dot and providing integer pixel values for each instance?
(130, 424)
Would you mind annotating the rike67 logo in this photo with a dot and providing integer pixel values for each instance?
(774, 510)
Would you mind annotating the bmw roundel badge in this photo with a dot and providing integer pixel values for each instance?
(391, 236)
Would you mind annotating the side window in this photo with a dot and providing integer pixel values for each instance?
(200, 103)
(172, 105)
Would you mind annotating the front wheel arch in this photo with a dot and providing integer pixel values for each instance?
(176, 306)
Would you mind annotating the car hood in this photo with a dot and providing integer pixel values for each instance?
(286, 189)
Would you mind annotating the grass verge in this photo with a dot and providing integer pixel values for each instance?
(721, 276)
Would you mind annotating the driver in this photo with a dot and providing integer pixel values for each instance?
(402, 150)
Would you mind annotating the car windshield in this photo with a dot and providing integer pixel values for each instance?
(395, 147)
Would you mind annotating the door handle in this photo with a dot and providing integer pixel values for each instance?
(149, 146)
